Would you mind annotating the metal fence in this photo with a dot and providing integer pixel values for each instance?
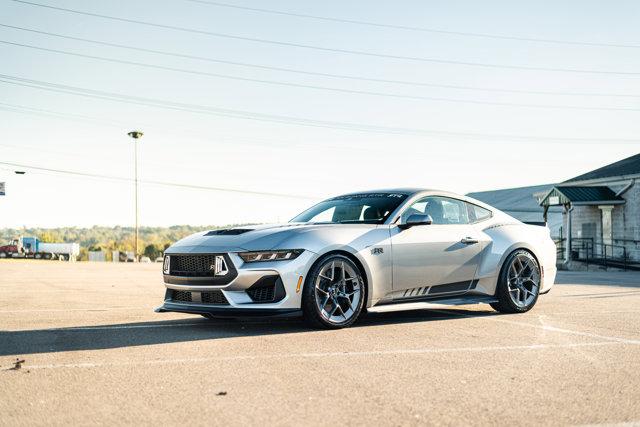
(599, 253)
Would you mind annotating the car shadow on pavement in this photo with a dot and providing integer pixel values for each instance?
(99, 337)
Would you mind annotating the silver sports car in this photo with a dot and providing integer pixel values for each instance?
(373, 251)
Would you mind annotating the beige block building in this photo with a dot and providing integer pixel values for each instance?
(600, 215)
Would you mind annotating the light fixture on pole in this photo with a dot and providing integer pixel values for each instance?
(136, 135)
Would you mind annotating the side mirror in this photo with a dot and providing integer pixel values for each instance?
(416, 220)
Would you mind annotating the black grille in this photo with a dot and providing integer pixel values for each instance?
(199, 270)
(182, 296)
(214, 297)
(262, 294)
(192, 265)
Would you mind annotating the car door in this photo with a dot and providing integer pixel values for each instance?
(444, 254)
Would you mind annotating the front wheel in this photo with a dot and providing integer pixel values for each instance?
(333, 294)
(519, 283)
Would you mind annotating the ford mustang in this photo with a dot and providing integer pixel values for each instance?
(371, 251)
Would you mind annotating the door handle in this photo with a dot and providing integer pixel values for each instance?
(469, 240)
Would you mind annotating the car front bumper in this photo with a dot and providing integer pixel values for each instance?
(257, 289)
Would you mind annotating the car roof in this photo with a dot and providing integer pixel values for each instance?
(408, 191)
(411, 192)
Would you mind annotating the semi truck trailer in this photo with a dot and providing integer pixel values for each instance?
(32, 247)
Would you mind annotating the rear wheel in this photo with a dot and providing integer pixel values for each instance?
(333, 295)
(519, 283)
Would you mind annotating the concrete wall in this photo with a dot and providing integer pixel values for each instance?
(626, 225)
(632, 212)
(97, 256)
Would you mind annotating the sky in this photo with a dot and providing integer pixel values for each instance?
(319, 107)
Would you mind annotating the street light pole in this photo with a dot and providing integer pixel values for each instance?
(136, 135)
(2, 184)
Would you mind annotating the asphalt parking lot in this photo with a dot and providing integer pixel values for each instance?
(95, 353)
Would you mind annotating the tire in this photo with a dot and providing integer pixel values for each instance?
(3, 254)
(519, 283)
(334, 293)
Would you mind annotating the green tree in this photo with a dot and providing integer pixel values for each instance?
(152, 251)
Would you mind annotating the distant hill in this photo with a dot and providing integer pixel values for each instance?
(152, 240)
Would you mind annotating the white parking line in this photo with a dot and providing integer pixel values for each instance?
(54, 310)
(546, 327)
(116, 327)
(571, 332)
(635, 423)
(324, 355)
(560, 313)
(150, 326)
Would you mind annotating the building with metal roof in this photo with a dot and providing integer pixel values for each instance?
(601, 214)
(594, 217)
(626, 167)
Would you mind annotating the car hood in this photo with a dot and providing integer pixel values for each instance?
(307, 236)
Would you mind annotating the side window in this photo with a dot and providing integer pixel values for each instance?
(477, 214)
(442, 210)
(454, 211)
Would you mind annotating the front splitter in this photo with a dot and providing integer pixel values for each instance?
(227, 311)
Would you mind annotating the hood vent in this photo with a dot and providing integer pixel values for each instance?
(228, 232)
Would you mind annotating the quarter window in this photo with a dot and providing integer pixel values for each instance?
(477, 214)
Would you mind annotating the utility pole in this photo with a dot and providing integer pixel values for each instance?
(136, 135)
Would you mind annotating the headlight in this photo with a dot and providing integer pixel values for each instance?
(270, 255)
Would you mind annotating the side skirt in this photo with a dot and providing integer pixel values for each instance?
(432, 302)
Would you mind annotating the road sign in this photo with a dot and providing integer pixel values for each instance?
(1, 188)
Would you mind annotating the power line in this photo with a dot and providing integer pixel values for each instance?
(160, 183)
(225, 140)
(22, 109)
(326, 49)
(411, 28)
(282, 119)
(70, 116)
(314, 73)
(325, 88)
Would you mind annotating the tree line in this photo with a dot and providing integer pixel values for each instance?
(152, 241)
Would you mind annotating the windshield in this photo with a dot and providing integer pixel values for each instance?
(367, 208)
